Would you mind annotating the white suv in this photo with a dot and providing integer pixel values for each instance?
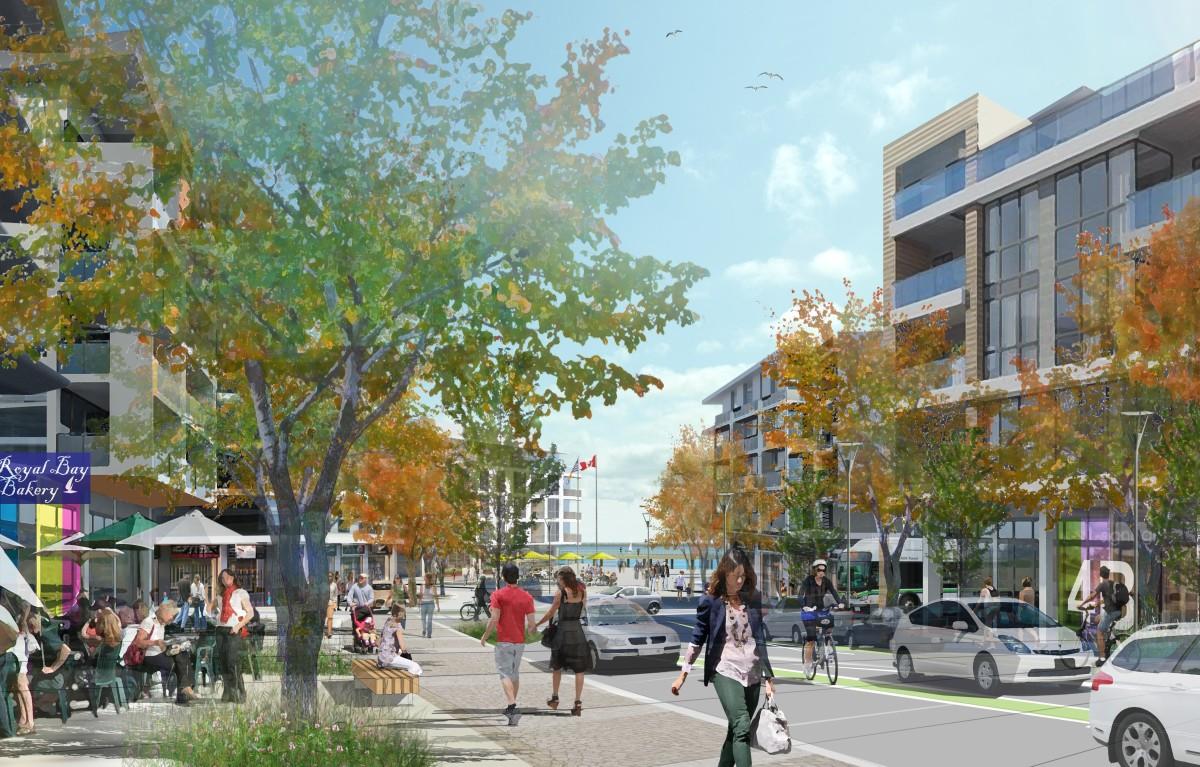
(1145, 703)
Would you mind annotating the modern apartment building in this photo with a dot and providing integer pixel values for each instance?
(111, 391)
(981, 211)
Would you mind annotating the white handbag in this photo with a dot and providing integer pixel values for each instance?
(769, 730)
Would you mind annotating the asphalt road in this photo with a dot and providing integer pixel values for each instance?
(871, 719)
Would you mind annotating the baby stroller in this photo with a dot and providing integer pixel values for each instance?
(363, 623)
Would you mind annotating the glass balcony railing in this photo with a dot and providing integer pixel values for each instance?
(951, 179)
(951, 371)
(1147, 84)
(931, 282)
(1148, 204)
(86, 357)
(95, 444)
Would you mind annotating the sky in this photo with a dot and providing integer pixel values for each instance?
(779, 190)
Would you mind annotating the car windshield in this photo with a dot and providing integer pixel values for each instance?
(610, 590)
(616, 613)
(1011, 615)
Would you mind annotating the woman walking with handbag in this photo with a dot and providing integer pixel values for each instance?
(429, 601)
(567, 642)
(730, 629)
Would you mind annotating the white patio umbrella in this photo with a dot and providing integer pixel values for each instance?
(9, 543)
(192, 529)
(12, 580)
(77, 554)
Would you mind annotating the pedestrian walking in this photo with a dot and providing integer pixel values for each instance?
(679, 584)
(399, 598)
(481, 597)
(184, 600)
(569, 647)
(231, 604)
(25, 645)
(331, 606)
(361, 594)
(988, 591)
(730, 629)
(343, 587)
(512, 619)
(1027, 595)
(429, 601)
(197, 598)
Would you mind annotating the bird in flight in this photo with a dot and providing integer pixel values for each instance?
(756, 87)
(771, 74)
(676, 32)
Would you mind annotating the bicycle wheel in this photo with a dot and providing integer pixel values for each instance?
(468, 612)
(810, 668)
(831, 660)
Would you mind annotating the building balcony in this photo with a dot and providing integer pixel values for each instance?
(88, 357)
(951, 371)
(1148, 204)
(1152, 82)
(951, 179)
(773, 480)
(780, 395)
(96, 445)
(722, 418)
(923, 286)
(751, 444)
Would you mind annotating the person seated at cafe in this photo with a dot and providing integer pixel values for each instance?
(151, 639)
(108, 631)
(125, 614)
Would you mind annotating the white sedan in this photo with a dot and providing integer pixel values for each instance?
(992, 641)
(1145, 703)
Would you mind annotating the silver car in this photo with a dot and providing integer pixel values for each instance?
(648, 599)
(783, 621)
(617, 629)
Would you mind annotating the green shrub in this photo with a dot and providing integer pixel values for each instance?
(260, 734)
(475, 629)
(328, 664)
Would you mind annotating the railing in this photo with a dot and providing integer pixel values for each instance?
(722, 418)
(750, 444)
(95, 444)
(780, 395)
(931, 282)
(772, 479)
(1147, 84)
(1148, 204)
(86, 357)
(951, 371)
(951, 179)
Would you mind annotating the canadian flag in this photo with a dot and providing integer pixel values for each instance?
(586, 464)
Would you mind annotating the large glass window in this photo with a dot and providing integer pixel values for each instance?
(1088, 198)
(1010, 269)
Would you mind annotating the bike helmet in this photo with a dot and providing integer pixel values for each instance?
(820, 563)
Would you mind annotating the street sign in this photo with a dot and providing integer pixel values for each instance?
(53, 479)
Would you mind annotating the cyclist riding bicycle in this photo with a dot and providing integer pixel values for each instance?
(817, 594)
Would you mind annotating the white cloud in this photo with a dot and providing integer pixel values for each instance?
(709, 346)
(884, 91)
(690, 164)
(835, 263)
(806, 175)
(765, 272)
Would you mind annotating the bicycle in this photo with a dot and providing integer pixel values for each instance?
(470, 611)
(824, 651)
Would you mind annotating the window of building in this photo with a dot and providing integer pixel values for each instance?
(552, 531)
(1010, 268)
(551, 508)
(1088, 198)
(747, 391)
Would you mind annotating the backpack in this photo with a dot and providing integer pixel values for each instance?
(1120, 594)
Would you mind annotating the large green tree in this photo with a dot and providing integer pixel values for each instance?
(349, 204)
(1175, 520)
(806, 537)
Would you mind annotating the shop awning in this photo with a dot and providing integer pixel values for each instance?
(192, 529)
(12, 580)
(108, 537)
(29, 377)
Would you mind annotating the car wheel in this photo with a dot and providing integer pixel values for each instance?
(1141, 742)
(905, 670)
(987, 675)
(797, 635)
(909, 602)
(653, 608)
(595, 655)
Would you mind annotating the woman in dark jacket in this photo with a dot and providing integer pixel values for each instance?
(730, 629)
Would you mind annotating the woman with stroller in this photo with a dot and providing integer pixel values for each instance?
(393, 649)
(569, 648)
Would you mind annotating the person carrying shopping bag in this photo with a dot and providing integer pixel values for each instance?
(729, 628)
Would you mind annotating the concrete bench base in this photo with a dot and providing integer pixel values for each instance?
(382, 686)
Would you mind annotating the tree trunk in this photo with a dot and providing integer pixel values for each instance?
(301, 607)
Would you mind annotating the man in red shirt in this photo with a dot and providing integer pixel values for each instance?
(512, 618)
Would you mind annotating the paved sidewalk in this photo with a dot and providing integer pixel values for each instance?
(460, 680)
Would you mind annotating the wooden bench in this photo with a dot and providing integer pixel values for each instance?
(384, 681)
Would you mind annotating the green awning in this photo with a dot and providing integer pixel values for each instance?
(108, 537)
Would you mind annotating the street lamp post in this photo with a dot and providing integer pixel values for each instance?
(726, 499)
(848, 452)
(1143, 420)
(646, 516)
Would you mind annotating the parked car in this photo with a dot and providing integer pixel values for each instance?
(783, 621)
(1145, 701)
(383, 590)
(874, 629)
(648, 599)
(992, 641)
(618, 629)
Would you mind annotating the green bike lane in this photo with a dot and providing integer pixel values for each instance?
(872, 719)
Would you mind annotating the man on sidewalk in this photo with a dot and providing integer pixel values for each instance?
(361, 594)
(512, 618)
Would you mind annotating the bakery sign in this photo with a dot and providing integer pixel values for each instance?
(50, 478)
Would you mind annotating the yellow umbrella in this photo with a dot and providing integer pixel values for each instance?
(570, 556)
(536, 556)
(600, 555)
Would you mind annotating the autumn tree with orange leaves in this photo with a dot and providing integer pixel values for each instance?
(858, 380)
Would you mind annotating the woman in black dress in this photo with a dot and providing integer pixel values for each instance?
(569, 649)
